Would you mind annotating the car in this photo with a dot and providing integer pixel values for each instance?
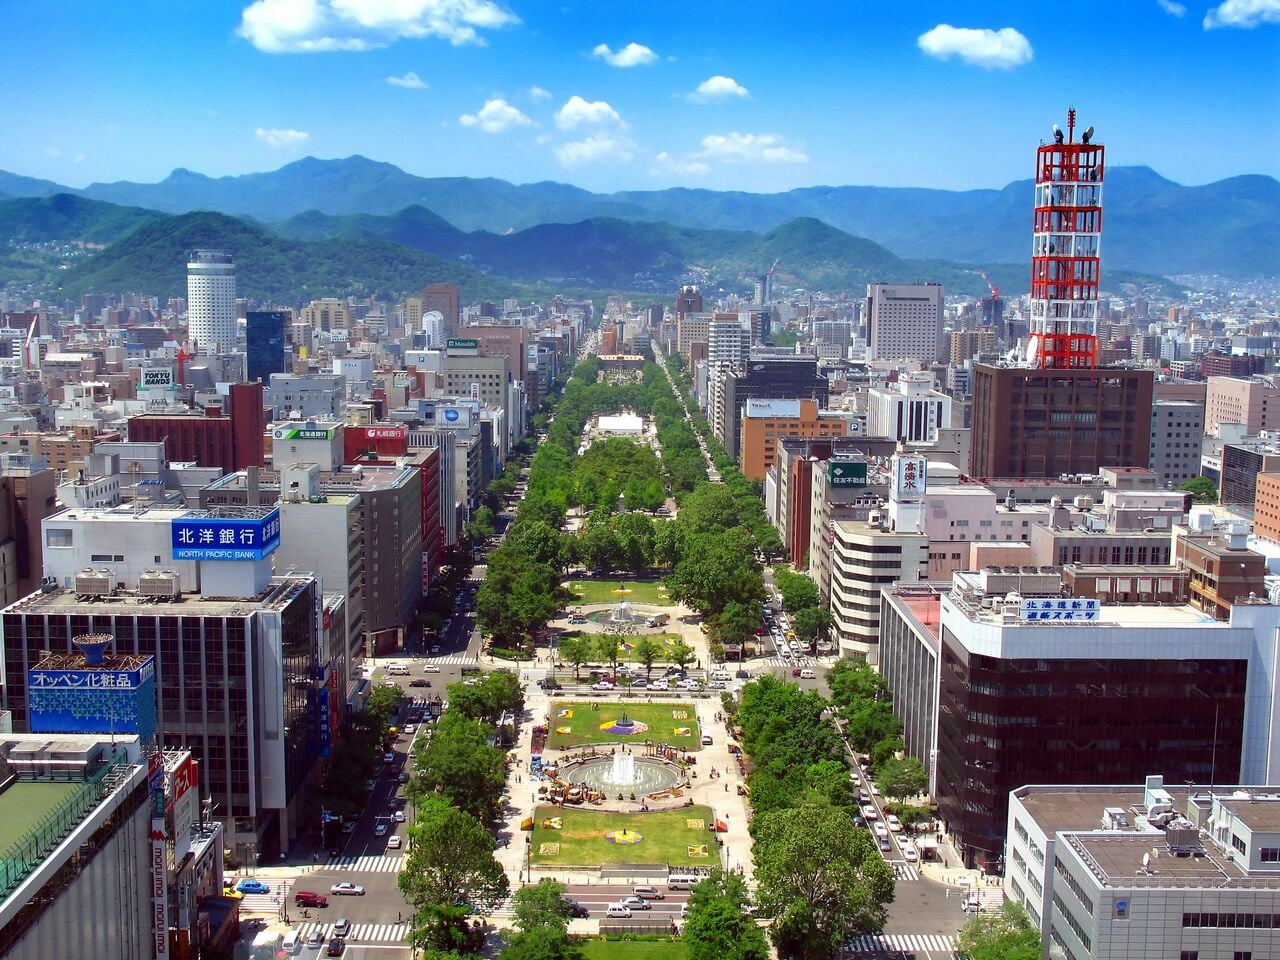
(640, 683)
(706, 740)
(648, 893)
(808, 674)
(688, 683)
(336, 946)
(618, 911)
(394, 842)
(380, 830)
(419, 682)
(472, 682)
(716, 685)
(880, 829)
(684, 909)
(870, 812)
(430, 668)
(304, 898)
(410, 729)
(893, 823)
(660, 684)
(863, 796)
(404, 776)
(389, 757)
(883, 844)
(342, 927)
(398, 816)
(742, 675)
(909, 852)
(252, 886)
(435, 649)
(315, 941)
(577, 621)
(575, 908)
(346, 889)
(602, 685)
(635, 903)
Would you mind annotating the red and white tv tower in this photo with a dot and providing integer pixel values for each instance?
(1065, 253)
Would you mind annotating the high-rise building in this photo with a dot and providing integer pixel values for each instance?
(442, 298)
(230, 438)
(910, 410)
(211, 302)
(1177, 438)
(688, 300)
(265, 340)
(1252, 401)
(904, 321)
(329, 313)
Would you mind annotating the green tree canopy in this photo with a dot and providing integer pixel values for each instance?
(1005, 934)
(901, 778)
(716, 927)
(1201, 489)
(458, 763)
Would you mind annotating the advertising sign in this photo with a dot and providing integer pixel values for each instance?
(461, 343)
(322, 720)
(302, 433)
(91, 679)
(453, 416)
(156, 378)
(221, 538)
(385, 433)
(847, 473)
(159, 857)
(909, 478)
(1055, 608)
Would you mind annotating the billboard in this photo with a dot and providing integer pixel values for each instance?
(93, 700)
(225, 538)
(454, 416)
(461, 343)
(847, 473)
(1060, 608)
(156, 378)
(302, 433)
(910, 474)
(159, 858)
(183, 807)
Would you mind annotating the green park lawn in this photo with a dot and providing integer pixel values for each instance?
(667, 834)
(585, 719)
(643, 592)
(633, 950)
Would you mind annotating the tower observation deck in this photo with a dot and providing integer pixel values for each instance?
(1066, 251)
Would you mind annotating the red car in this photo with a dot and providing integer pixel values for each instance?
(304, 898)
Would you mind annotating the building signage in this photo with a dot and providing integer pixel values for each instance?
(847, 473)
(302, 433)
(157, 378)
(90, 679)
(909, 478)
(322, 721)
(159, 857)
(453, 416)
(1056, 608)
(461, 343)
(223, 538)
(385, 433)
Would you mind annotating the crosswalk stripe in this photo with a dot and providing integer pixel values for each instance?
(911, 942)
(362, 932)
(906, 871)
(367, 864)
(456, 659)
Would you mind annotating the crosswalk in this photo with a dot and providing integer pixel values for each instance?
(369, 864)
(455, 659)
(777, 661)
(906, 871)
(906, 942)
(362, 932)
(268, 903)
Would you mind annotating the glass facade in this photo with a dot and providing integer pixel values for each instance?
(265, 340)
(1003, 724)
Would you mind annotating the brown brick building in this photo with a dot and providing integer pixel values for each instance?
(1044, 423)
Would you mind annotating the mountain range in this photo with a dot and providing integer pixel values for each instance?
(1153, 225)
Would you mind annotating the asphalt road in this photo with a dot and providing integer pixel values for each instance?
(597, 896)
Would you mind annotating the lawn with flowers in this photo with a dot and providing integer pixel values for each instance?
(576, 724)
(573, 837)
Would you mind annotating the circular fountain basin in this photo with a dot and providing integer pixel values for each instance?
(650, 776)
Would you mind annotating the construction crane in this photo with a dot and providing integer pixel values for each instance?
(995, 291)
(774, 267)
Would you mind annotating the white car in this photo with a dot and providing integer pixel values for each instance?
(346, 889)
(409, 728)
(393, 843)
(660, 684)
(398, 816)
(869, 811)
(909, 852)
(430, 668)
(602, 685)
(880, 829)
(894, 823)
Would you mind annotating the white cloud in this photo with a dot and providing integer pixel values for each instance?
(578, 112)
(1172, 8)
(748, 148)
(632, 55)
(282, 139)
(538, 94)
(665, 163)
(311, 26)
(410, 81)
(78, 158)
(53, 153)
(1003, 49)
(717, 88)
(1245, 14)
(595, 148)
(495, 116)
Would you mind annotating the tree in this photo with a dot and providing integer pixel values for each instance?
(902, 778)
(540, 542)
(717, 927)
(736, 623)
(715, 569)
(480, 526)
(608, 645)
(812, 623)
(577, 650)
(827, 782)
(1201, 489)
(634, 535)
(458, 763)
(647, 650)
(882, 751)
(1005, 934)
(598, 547)
(798, 592)
(542, 921)
(869, 722)
(450, 865)
(497, 693)
(681, 654)
(711, 508)
(820, 878)
(542, 903)
(385, 702)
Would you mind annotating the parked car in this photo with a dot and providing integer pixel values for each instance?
(635, 903)
(893, 823)
(346, 889)
(252, 886)
(304, 898)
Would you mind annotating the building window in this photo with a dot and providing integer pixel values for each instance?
(1270, 854)
(55, 537)
(1237, 843)
(1189, 955)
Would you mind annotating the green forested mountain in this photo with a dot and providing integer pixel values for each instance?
(64, 218)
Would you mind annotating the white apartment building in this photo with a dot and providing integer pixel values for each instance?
(910, 411)
(904, 321)
(211, 302)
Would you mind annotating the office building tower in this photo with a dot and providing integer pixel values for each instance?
(688, 300)
(211, 302)
(230, 437)
(728, 339)
(1177, 439)
(443, 299)
(329, 314)
(911, 410)
(1251, 401)
(265, 342)
(904, 321)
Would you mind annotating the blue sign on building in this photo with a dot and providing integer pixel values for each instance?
(93, 701)
(224, 538)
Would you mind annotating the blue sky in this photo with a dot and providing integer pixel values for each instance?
(635, 95)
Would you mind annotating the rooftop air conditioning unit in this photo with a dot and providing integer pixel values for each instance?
(165, 584)
(1083, 502)
(94, 583)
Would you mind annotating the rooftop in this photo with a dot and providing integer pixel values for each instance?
(1116, 859)
(1262, 816)
(24, 803)
(66, 600)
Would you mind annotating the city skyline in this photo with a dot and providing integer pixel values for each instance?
(762, 99)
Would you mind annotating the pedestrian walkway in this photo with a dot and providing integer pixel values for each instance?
(369, 864)
(362, 932)
(268, 903)
(909, 942)
(777, 661)
(455, 659)
(906, 871)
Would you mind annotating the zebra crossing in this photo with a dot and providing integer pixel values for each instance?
(905, 943)
(780, 661)
(265, 902)
(906, 871)
(383, 863)
(361, 932)
(455, 659)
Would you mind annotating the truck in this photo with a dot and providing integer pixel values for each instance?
(658, 620)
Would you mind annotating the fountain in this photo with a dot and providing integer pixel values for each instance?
(623, 773)
(624, 769)
(621, 612)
